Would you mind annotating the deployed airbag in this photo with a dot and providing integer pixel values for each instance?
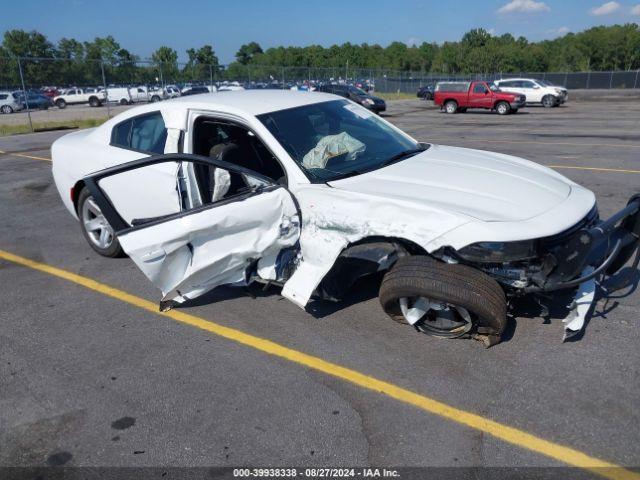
(333, 146)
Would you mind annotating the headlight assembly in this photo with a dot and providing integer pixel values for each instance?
(368, 101)
(498, 252)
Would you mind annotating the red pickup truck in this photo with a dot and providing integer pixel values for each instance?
(456, 97)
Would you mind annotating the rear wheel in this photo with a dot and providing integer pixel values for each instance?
(451, 106)
(60, 103)
(155, 99)
(6, 109)
(95, 227)
(549, 101)
(123, 101)
(503, 108)
(94, 102)
(443, 300)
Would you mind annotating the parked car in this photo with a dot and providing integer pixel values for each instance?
(536, 91)
(49, 92)
(119, 95)
(456, 97)
(426, 92)
(71, 96)
(35, 101)
(356, 94)
(194, 91)
(9, 102)
(172, 91)
(311, 192)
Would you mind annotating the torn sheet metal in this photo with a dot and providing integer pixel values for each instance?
(583, 301)
(216, 246)
(333, 218)
(333, 146)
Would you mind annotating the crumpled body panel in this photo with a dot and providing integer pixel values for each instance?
(216, 246)
(333, 219)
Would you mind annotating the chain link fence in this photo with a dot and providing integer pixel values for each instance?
(24, 80)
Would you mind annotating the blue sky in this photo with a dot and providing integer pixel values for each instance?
(142, 26)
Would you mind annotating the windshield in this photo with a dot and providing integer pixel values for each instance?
(337, 139)
(357, 90)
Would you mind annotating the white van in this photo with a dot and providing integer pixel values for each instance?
(119, 95)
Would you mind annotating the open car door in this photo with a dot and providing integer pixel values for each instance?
(232, 224)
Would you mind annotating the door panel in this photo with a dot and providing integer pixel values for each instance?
(190, 252)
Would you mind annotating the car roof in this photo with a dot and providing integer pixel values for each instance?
(252, 102)
(517, 79)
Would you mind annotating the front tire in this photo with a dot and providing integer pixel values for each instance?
(503, 108)
(95, 228)
(452, 298)
(60, 103)
(549, 101)
(155, 99)
(451, 107)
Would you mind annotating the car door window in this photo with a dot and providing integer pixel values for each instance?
(527, 84)
(480, 89)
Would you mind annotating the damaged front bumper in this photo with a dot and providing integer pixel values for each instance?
(606, 246)
(575, 259)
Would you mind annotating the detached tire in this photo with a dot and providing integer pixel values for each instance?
(456, 285)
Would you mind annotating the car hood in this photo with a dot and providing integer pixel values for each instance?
(486, 186)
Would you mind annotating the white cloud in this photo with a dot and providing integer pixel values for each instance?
(605, 9)
(524, 6)
(563, 30)
(635, 10)
(413, 42)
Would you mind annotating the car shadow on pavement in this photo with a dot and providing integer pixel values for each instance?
(363, 290)
(481, 111)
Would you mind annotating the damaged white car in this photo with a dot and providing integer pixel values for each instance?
(312, 192)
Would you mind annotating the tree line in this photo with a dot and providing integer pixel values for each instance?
(601, 48)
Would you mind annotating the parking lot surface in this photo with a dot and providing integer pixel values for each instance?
(88, 379)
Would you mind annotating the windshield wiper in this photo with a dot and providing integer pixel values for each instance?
(396, 158)
(402, 155)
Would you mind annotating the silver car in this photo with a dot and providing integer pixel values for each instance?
(9, 102)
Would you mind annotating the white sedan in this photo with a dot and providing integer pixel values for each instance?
(311, 191)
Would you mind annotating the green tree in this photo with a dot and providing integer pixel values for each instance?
(247, 52)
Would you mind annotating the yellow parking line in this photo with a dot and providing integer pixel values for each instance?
(503, 432)
(45, 159)
(596, 169)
